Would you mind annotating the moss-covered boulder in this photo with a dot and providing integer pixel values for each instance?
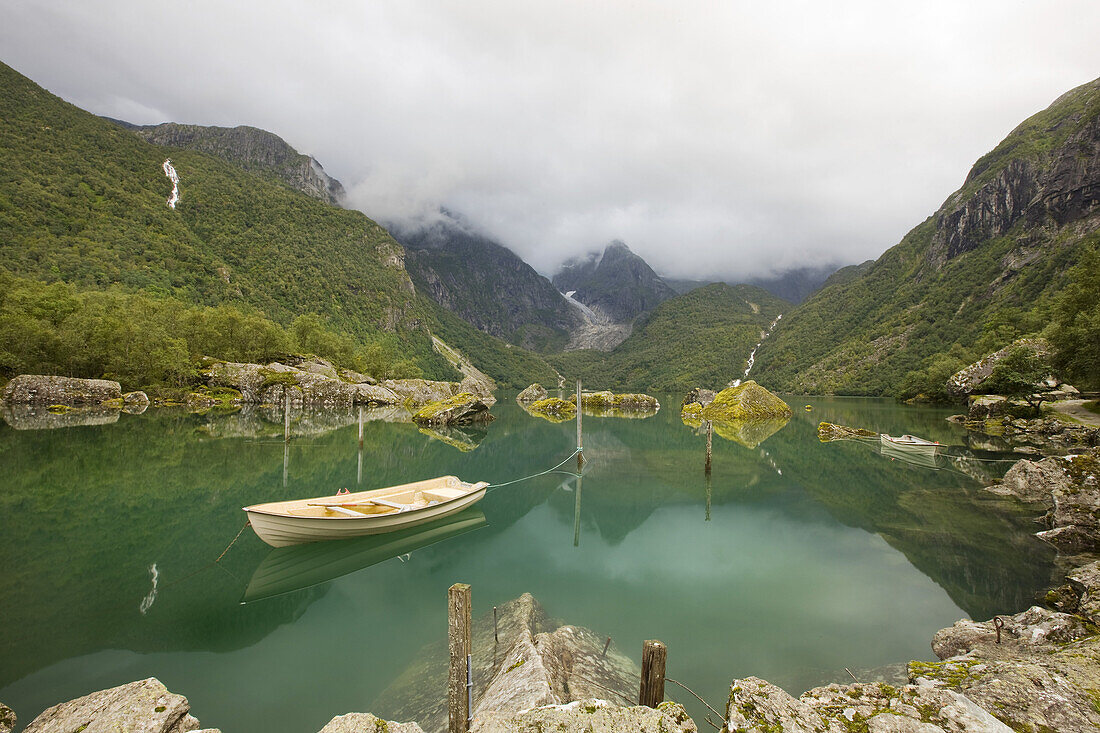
(462, 409)
(609, 404)
(534, 393)
(552, 409)
(748, 401)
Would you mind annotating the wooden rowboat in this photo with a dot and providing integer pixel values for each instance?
(911, 449)
(283, 523)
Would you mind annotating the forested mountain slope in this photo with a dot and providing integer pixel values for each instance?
(84, 201)
(982, 270)
(699, 339)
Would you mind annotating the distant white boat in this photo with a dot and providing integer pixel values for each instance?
(911, 449)
(283, 523)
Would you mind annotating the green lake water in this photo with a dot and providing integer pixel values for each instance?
(795, 560)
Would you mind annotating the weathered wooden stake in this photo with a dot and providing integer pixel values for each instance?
(606, 647)
(580, 445)
(458, 640)
(652, 692)
(286, 462)
(360, 426)
(496, 639)
(359, 467)
(710, 437)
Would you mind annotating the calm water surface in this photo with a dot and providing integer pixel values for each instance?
(797, 559)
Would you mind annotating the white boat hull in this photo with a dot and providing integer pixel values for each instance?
(277, 526)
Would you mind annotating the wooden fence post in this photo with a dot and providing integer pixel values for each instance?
(286, 414)
(652, 691)
(458, 640)
(360, 426)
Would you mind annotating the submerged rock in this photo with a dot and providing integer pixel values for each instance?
(462, 409)
(748, 401)
(38, 389)
(533, 393)
(145, 706)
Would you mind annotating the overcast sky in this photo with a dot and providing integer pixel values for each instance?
(715, 138)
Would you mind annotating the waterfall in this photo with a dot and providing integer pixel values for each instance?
(752, 354)
(175, 179)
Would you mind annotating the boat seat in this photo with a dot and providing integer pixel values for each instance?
(443, 494)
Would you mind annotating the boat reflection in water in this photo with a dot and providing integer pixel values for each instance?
(911, 449)
(287, 569)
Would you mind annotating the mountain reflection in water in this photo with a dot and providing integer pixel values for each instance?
(815, 557)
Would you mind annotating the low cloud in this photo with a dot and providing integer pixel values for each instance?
(729, 139)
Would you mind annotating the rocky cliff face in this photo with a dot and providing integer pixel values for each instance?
(1052, 177)
(617, 284)
(990, 258)
(252, 149)
(487, 285)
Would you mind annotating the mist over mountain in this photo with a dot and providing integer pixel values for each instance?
(615, 283)
(486, 284)
(793, 285)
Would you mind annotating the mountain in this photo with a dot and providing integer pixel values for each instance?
(793, 285)
(254, 150)
(83, 205)
(487, 285)
(700, 339)
(983, 269)
(616, 284)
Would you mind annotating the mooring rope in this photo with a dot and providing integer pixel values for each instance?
(572, 455)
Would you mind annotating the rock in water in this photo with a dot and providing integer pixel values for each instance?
(145, 706)
(36, 389)
(748, 401)
(462, 409)
(828, 432)
(611, 405)
(534, 393)
(552, 409)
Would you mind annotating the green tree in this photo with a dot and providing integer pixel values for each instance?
(1019, 375)
(1076, 327)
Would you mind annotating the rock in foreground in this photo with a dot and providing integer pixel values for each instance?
(37, 389)
(145, 706)
(367, 723)
(462, 409)
(589, 716)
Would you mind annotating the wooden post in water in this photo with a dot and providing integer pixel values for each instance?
(710, 437)
(458, 642)
(707, 479)
(652, 692)
(360, 426)
(580, 456)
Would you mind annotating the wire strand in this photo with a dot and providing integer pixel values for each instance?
(536, 475)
